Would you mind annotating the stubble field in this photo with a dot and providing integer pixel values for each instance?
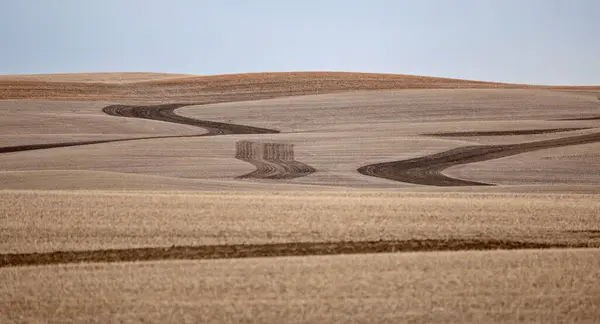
(297, 197)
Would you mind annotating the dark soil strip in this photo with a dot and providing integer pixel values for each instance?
(267, 250)
(582, 118)
(166, 113)
(427, 170)
(31, 147)
(158, 112)
(505, 133)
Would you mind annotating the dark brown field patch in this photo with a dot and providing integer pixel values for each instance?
(269, 250)
(506, 133)
(272, 161)
(427, 170)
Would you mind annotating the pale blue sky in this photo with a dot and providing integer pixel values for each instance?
(529, 41)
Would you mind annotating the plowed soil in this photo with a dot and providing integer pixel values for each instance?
(427, 170)
(166, 113)
(506, 133)
(268, 250)
(272, 161)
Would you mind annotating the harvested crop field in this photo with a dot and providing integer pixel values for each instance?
(532, 286)
(128, 177)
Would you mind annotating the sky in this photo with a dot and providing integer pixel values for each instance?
(522, 41)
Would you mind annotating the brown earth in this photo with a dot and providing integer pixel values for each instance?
(166, 113)
(427, 170)
(269, 250)
(272, 161)
(505, 133)
(94, 77)
(33, 147)
(583, 118)
(163, 113)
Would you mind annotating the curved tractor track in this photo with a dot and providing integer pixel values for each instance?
(32, 147)
(164, 112)
(507, 133)
(427, 170)
(272, 161)
(581, 118)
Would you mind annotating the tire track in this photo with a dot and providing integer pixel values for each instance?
(164, 112)
(204, 252)
(272, 161)
(427, 170)
(506, 133)
(32, 147)
(581, 118)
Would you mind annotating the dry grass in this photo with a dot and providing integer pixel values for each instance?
(40, 221)
(550, 286)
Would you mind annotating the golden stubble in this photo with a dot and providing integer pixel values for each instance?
(547, 286)
(41, 221)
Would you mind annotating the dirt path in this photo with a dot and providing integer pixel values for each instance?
(272, 161)
(268, 250)
(427, 170)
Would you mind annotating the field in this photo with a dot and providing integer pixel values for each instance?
(297, 197)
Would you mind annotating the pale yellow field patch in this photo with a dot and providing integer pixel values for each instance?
(547, 286)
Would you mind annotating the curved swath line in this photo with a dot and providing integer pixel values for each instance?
(166, 113)
(296, 167)
(264, 170)
(272, 161)
(289, 168)
(269, 250)
(427, 170)
(505, 133)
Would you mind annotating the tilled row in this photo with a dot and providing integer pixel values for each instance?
(272, 160)
(269, 250)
